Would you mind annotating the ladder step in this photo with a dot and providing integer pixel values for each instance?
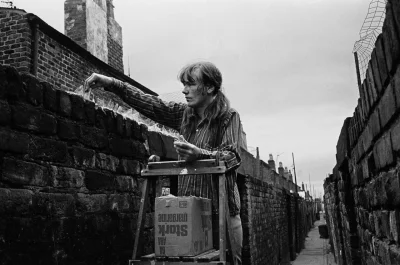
(211, 255)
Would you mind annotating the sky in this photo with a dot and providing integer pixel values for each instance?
(287, 65)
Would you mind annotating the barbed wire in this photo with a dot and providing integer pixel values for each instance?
(369, 31)
(6, 3)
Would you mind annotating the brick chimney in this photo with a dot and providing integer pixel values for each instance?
(114, 40)
(271, 162)
(91, 24)
(281, 170)
(286, 173)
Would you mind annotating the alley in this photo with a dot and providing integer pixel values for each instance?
(317, 250)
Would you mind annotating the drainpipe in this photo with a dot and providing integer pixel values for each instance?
(35, 48)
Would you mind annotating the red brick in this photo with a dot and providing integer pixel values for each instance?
(395, 5)
(24, 173)
(155, 144)
(53, 204)
(3, 82)
(395, 136)
(394, 223)
(15, 202)
(365, 169)
(125, 147)
(380, 58)
(107, 162)
(65, 107)
(374, 125)
(143, 132)
(33, 89)
(15, 89)
(30, 118)
(382, 252)
(392, 188)
(77, 106)
(110, 121)
(5, 113)
(390, 39)
(93, 137)
(50, 97)
(100, 118)
(68, 130)
(396, 86)
(96, 180)
(128, 128)
(126, 183)
(90, 114)
(130, 167)
(12, 141)
(82, 157)
(366, 138)
(387, 106)
(394, 254)
(375, 71)
(372, 92)
(124, 203)
(67, 177)
(47, 150)
(120, 125)
(383, 152)
(96, 203)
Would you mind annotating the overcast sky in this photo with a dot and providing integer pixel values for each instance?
(287, 65)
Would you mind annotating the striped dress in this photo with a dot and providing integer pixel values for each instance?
(170, 114)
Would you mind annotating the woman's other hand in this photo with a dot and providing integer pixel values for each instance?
(187, 151)
(96, 81)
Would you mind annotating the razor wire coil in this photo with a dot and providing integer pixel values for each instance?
(369, 32)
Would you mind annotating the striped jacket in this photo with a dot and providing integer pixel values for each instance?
(170, 114)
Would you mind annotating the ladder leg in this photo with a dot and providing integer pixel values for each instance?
(222, 218)
(141, 219)
(231, 238)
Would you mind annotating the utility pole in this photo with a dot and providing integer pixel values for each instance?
(294, 170)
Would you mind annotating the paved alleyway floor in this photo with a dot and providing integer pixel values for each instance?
(317, 250)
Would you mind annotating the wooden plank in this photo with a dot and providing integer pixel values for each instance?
(182, 171)
(173, 259)
(183, 163)
(222, 218)
(211, 256)
(195, 258)
(137, 247)
(148, 257)
(154, 262)
(231, 238)
(161, 258)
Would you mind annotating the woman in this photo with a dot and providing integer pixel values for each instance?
(208, 124)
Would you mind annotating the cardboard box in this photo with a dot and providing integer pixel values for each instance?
(183, 226)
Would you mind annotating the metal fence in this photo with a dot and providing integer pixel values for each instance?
(6, 3)
(369, 31)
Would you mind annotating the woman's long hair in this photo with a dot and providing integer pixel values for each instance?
(206, 75)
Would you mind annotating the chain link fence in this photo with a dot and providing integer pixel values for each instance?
(6, 3)
(369, 31)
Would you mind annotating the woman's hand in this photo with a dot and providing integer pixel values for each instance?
(187, 151)
(96, 81)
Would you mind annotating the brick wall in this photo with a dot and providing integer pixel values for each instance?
(69, 185)
(275, 222)
(61, 61)
(362, 195)
(15, 39)
(69, 170)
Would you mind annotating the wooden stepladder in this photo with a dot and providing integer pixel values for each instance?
(175, 168)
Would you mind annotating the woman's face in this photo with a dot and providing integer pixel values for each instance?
(195, 96)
